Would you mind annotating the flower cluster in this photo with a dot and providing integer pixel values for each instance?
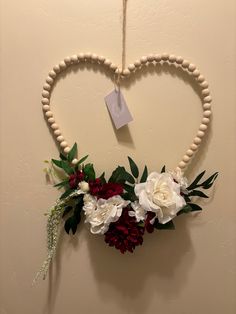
(126, 205)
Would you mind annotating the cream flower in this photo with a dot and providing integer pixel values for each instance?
(84, 186)
(138, 212)
(177, 175)
(161, 195)
(100, 213)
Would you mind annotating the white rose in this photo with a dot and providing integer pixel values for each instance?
(100, 213)
(138, 211)
(84, 186)
(161, 195)
(177, 175)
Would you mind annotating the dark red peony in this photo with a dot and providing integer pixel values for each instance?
(105, 190)
(125, 234)
(74, 179)
(147, 224)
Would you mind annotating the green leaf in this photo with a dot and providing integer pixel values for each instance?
(82, 160)
(129, 178)
(167, 226)
(58, 163)
(72, 153)
(89, 172)
(194, 207)
(209, 182)
(65, 166)
(193, 185)
(118, 175)
(144, 175)
(67, 210)
(102, 178)
(163, 169)
(185, 210)
(198, 193)
(128, 188)
(71, 224)
(65, 194)
(62, 157)
(133, 168)
(61, 184)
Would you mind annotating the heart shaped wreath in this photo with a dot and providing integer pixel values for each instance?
(129, 203)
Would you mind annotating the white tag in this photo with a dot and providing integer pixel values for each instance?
(118, 109)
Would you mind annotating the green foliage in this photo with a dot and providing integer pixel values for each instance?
(144, 175)
(167, 226)
(190, 207)
(163, 169)
(63, 164)
(66, 193)
(72, 222)
(89, 172)
(72, 153)
(82, 160)
(62, 184)
(205, 184)
(133, 168)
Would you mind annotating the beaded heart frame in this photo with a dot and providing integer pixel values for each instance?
(130, 202)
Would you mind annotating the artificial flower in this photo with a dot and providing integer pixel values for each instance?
(74, 179)
(138, 211)
(84, 186)
(178, 177)
(125, 234)
(100, 213)
(160, 194)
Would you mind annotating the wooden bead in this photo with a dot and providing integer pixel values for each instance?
(131, 67)
(158, 58)
(45, 94)
(74, 58)
(46, 107)
(189, 152)
(205, 92)
(118, 71)
(197, 140)
(113, 67)
(165, 56)
(205, 120)
(200, 134)
(56, 68)
(81, 56)
(101, 59)
(51, 120)
(186, 158)
(88, 55)
(137, 63)
(192, 67)
(94, 57)
(126, 72)
(150, 58)
(57, 132)
(63, 144)
(202, 127)
(182, 164)
(207, 113)
(196, 73)
(45, 101)
(207, 106)
(52, 74)
(179, 60)
(143, 59)
(66, 149)
(49, 80)
(201, 78)
(49, 114)
(185, 64)
(60, 138)
(207, 99)
(172, 58)
(75, 161)
(62, 65)
(68, 60)
(107, 62)
(193, 147)
(204, 84)
(54, 126)
(46, 86)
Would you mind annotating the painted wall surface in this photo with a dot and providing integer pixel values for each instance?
(191, 270)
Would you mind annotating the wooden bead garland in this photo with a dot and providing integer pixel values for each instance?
(151, 58)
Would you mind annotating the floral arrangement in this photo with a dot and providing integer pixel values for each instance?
(123, 207)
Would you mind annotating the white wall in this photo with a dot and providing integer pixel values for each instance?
(190, 270)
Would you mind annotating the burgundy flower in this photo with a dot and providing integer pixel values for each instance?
(125, 234)
(74, 179)
(147, 224)
(105, 190)
(110, 189)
